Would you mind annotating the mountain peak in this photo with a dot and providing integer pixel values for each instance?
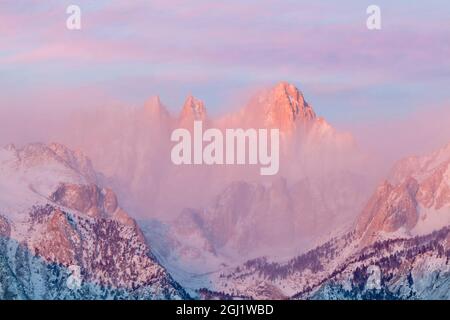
(286, 87)
(193, 109)
(420, 166)
(154, 107)
(289, 99)
(10, 147)
(415, 201)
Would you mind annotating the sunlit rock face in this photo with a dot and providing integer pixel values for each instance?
(57, 223)
(398, 247)
(415, 200)
(238, 214)
(193, 110)
(282, 107)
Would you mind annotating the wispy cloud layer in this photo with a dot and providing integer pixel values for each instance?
(213, 48)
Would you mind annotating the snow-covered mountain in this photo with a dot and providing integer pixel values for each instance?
(399, 248)
(131, 147)
(414, 201)
(64, 236)
(219, 232)
(282, 106)
(193, 110)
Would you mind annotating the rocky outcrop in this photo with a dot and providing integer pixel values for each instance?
(417, 194)
(89, 199)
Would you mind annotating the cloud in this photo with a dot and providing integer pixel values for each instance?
(223, 46)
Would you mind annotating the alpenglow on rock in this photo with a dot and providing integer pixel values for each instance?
(62, 236)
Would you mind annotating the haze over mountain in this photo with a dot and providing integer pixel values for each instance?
(214, 229)
(398, 248)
